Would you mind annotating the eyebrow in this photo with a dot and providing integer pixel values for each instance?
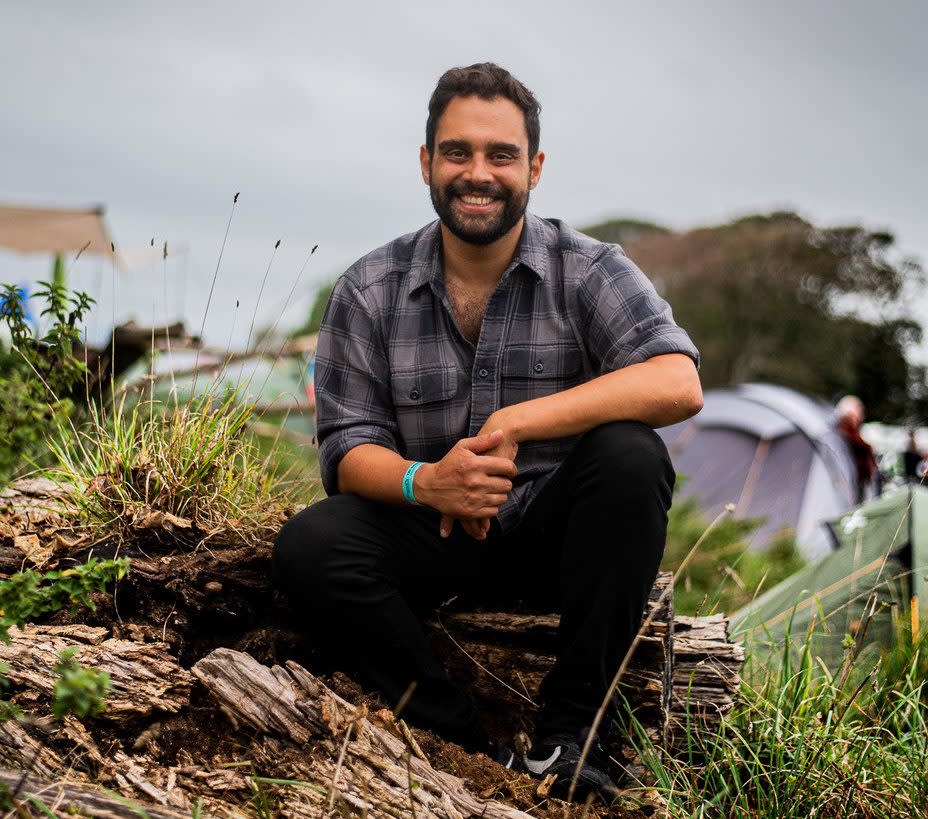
(451, 144)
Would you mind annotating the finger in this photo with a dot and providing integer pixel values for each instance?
(445, 524)
(483, 441)
(493, 465)
(478, 528)
(485, 512)
(499, 485)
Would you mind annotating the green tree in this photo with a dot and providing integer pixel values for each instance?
(762, 298)
(314, 320)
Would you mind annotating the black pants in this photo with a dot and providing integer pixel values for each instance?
(363, 574)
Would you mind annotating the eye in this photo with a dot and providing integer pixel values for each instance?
(456, 153)
(501, 157)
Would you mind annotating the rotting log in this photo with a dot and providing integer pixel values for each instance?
(64, 797)
(220, 791)
(19, 749)
(706, 676)
(144, 677)
(501, 658)
(33, 524)
(684, 674)
(377, 767)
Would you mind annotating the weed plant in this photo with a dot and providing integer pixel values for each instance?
(37, 372)
(184, 474)
(804, 742)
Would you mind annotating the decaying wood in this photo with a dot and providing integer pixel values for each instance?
(501, 658)
(227, 581)
(685, 673)
(35, 526)
(144, 678)
(706, 674)
(21, 750)
(67, 796)
(377, 768)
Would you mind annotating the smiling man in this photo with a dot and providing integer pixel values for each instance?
(487, 391)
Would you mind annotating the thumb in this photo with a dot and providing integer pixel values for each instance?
(444, 526)
(483, 442)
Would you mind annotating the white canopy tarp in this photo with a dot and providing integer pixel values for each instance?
(54, 230)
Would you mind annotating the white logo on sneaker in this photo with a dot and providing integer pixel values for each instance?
(539, 768)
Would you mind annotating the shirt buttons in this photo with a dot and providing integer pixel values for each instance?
(414, 395)
(539, 366)
(483, 372)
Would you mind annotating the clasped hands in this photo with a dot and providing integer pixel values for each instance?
(471, 482)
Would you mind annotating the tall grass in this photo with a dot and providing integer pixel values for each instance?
(805, 742)
(190, 473)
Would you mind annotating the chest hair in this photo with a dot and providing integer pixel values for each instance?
(469, 307)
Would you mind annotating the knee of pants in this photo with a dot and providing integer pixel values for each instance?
(306, 550)
(629, 456)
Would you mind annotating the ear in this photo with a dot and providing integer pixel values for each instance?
(425, 160)
(534, 171)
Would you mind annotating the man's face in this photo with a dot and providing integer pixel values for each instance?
(479, 174)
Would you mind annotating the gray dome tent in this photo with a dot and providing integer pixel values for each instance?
(774, 453)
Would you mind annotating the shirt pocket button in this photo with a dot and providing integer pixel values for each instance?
(414, 395)
(539, 366)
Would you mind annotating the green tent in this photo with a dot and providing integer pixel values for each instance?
(881, 564)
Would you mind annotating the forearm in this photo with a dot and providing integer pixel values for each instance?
(463, 484)
(663, 390)
(374, 472)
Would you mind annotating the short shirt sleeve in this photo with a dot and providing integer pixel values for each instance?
(624, 320)
(352, 380)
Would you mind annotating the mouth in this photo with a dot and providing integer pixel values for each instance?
(473, 203)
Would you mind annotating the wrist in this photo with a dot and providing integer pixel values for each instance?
(422, 484)
(507, 422)
(408, 483)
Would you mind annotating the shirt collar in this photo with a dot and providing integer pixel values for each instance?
(531, 253)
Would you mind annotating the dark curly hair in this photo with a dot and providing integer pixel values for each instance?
(488, 81)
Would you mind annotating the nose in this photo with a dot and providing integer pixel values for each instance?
(479, 171)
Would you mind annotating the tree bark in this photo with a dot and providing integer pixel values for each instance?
(144, 678)
(64, 796)
(683, 676)
(501, 658)
(379, 772)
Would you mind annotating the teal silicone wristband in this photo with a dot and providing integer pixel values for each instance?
(407, 482)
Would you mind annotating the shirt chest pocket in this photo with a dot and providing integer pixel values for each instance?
(533, 371)
(425, 407)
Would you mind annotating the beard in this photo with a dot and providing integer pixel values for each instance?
(474, 228)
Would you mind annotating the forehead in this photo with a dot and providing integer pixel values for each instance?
(479, 121)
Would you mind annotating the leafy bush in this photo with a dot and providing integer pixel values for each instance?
(30, 594)
(78, 691)
(36, 374)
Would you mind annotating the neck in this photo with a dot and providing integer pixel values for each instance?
(481, 265)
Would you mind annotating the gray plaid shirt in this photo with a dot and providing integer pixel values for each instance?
(393, 369)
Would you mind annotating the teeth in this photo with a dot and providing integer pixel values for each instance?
(477, 200)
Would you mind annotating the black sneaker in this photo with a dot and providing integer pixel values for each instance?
(559, 754)
(505, 756)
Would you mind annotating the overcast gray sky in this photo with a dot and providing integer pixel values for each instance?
(683, 113)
